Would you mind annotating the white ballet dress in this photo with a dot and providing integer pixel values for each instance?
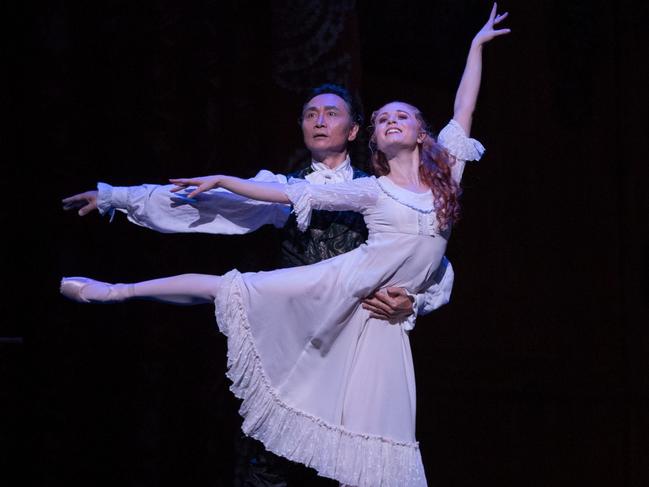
(322, 383)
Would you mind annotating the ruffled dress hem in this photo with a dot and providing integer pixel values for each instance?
(356, 459)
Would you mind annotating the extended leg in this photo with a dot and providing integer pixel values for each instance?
(182, 289)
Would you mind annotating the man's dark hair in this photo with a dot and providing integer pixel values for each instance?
(353, 104)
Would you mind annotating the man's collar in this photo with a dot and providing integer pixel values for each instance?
(342, 167)
(319, 173)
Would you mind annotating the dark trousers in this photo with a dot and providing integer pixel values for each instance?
(257, 467)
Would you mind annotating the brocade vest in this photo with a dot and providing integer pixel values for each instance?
(330, 233)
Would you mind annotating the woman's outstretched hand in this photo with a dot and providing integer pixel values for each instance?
(488, 31)
(202, 184)
(256, 190)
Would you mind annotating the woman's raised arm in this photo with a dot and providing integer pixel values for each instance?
(467, 92)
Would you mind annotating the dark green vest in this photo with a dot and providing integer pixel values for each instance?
(330, 233)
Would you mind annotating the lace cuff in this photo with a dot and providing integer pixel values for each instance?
(356, 195)
(105, 205)
(298, 192)
(455, 141)
(411, 319)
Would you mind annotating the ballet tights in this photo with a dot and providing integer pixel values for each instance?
(181, 289)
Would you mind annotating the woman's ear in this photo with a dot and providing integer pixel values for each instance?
(421, 137)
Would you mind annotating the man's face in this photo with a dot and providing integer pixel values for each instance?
(327, 125)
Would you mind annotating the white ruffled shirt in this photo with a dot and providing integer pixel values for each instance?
(322, 174)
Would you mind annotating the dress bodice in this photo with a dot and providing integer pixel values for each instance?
(386, 207)
(398, 210)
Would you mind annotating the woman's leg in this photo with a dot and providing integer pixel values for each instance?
(182, 289)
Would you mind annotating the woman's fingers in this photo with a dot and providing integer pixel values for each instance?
(494, 9)
(202, 184)
(181, 181)
(198, 190)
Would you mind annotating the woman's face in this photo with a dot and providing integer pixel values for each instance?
(396, 127)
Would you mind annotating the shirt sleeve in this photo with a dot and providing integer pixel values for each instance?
(356, 195)
(436, 296)
(462, 148)
(217, 211)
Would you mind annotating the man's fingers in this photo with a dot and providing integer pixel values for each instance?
(71, 199)
(378, 305)
(73, 205)
(380, 317)
(378, 302)
(384, 298)
(77, 199)
(396, 292)
(86, 209)
(376, 311)
(371, 307)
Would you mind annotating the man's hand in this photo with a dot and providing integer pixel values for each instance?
(86, 202)
(391, 304)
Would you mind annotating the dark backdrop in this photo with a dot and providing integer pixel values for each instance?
(536, 373)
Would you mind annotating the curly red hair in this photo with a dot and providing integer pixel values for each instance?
(434, 171)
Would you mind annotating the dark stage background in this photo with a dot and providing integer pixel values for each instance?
(536, 374)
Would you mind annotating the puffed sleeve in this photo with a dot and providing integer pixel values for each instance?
(462, 148)
(356, 195)
(216, 211)
(436, 296)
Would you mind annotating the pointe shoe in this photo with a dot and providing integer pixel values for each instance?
(86, 290)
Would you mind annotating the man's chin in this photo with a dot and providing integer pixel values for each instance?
(320, 142)
(325, 149)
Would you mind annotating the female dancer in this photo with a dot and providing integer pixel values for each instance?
(323, 383)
